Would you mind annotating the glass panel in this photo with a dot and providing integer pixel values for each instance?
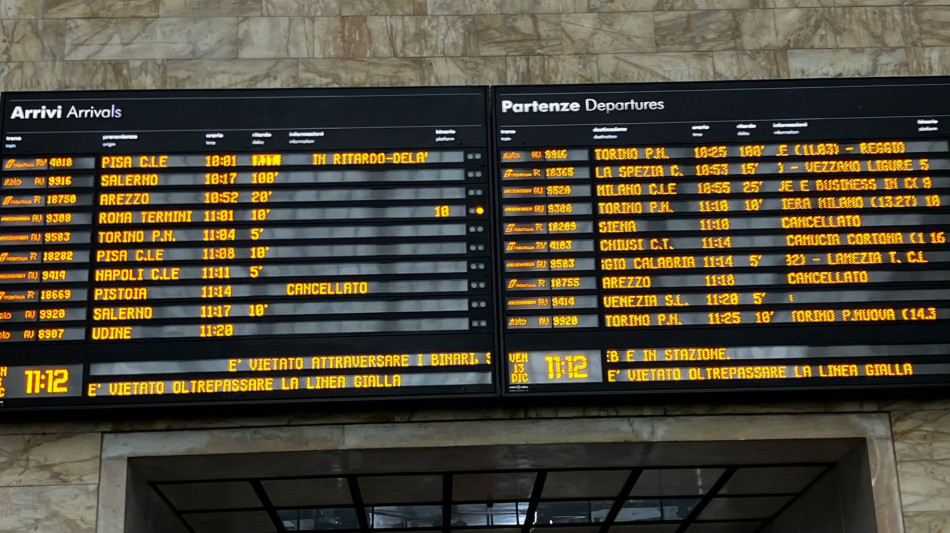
(584, 484)
(744, 507)
(289, 518)
(512, 486)
(677, 509)
(405, 516)
(600, 510)
(585, 512)
(508, 514)
(316, 492)
(676, 482)
(475, 514)
(771, 480)
(570, 528)
(401, 489)
(318, 519)
(662, 509)
(640, 511)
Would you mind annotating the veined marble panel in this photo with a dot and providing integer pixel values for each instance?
(598, 6)
(621, 68)
(544, 6)
(685, 31)
(164, 38)
(327, 37)
(750, 64)
(880, 3)
(371, 72)
(147, 73)
(367, 37)
(799, 3)
(64, 75)
(20, 9)
(463, 7)
(99, 8)
(383, 7)
(519, 34)
(931, 61)
(549, 69)
(856, 27)
(921, 435)
(925, 485)
(275, 37)
(848, 63)
(598, 33)
(927, 522)
(311, 8)
(934, 22)
(32, 40)
(49, 459)
(434, 36)
(757, 29)
(682, 5)
(210, 8)
(50, 509)
(464, 71)
(230, 73)
(804, 28)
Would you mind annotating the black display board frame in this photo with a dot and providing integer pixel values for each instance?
(672, 94)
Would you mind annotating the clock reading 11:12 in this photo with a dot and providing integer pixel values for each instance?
(49, 380)
(38, 381)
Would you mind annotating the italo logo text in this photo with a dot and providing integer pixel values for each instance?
(58, 112)
(590, 104)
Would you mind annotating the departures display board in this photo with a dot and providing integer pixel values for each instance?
(256, 245)
(724, 236)
(194, 247)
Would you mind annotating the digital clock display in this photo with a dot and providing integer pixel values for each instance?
(20, 382)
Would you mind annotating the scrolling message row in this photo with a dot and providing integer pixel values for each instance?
(633, 365)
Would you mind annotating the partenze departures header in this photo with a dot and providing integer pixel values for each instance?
(590, 104)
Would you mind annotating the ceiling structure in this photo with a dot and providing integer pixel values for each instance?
(736, 487)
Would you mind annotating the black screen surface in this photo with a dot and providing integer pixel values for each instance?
(181, 247)
(185, 246)
(723, 236)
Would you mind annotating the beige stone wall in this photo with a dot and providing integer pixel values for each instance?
(137, 44)
(49, 473)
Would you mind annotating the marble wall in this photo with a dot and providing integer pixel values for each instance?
(49, 481)
(50, 473)
(75, 44)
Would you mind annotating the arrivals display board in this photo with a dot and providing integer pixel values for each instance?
(187, 246)
(723, 236)
(194, 247)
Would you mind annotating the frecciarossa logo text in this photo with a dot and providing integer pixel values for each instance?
(59, 112)
(590, 104)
